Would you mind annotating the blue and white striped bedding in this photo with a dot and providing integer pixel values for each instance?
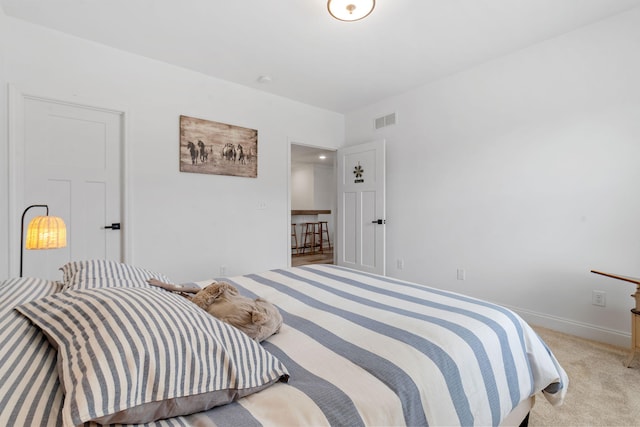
(360, 349)
(126, 353)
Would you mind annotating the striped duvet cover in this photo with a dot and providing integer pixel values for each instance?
(360, 350)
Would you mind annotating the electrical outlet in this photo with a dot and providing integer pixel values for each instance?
(461, 274)
(599, 298)
(223, 270)
(261, 205)
(400, 264)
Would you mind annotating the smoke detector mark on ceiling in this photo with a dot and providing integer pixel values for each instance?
(384, 121)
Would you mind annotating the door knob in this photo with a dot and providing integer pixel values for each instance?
(379, 221)
(113, 226)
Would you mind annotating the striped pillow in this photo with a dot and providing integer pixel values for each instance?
(30, 394)
(135, 355)
(100, 273)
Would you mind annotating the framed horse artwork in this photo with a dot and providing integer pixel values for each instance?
(217, 148)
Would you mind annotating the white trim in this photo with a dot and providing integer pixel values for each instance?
(15, 133)
(576, 328)
(125, 188)
(288, 224)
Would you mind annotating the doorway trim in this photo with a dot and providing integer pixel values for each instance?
(297, 141)
(15, 141)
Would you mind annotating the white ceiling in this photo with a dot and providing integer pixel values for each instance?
(306, 154)
(309, 56)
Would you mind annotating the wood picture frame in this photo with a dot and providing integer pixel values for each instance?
(217, 148)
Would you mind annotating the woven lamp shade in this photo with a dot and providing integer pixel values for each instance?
(46, 232)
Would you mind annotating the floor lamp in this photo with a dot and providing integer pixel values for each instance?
(43, 232)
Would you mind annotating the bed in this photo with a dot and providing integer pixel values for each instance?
(354, 349)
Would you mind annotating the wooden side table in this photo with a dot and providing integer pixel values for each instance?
(635, 313)
(635, 339)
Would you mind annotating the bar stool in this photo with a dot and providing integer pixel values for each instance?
(324, 231)
(317, 238)
(294, 240)
(309, 237)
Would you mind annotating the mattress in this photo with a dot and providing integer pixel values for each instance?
(359, 349)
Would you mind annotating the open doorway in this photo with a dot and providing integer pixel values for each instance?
(313, 205)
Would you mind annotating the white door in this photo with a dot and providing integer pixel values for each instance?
(361, 207)
(70, 160)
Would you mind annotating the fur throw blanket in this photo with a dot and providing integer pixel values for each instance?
(257, 318)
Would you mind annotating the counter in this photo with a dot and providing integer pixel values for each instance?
(310, 212)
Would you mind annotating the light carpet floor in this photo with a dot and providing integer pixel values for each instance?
(602, 391)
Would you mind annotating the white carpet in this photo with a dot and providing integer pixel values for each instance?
(602, 391)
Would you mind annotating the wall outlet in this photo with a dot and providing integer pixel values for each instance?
(400, 264)
(461, 274)
(261, 205)
(223, 270)
(599, 298)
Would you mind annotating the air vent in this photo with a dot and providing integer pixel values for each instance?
(384, 121)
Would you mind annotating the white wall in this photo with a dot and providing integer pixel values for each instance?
(325, 195)
(314, 186)
(4, 154)
(185, 225)
(302, 186)
(524, 172)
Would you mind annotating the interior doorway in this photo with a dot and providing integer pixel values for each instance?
(313, 200)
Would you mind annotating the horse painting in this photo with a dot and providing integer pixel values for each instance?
(203, 152)
(194, 152)
(241, 158)
(217, 148)
(229, 152)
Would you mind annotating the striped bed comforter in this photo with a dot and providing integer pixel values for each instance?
(360, 350)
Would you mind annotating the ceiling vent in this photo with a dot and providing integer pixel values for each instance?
(384, 121)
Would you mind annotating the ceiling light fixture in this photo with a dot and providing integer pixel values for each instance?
(350, 10)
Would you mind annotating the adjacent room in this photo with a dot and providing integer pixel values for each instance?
(372, 212)
(313, 205)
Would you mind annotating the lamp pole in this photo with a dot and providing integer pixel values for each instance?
(22, 231)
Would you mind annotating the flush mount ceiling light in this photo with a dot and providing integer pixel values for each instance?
(350, 10)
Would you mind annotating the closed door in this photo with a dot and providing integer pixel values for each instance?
(361, 207)
(72, 162)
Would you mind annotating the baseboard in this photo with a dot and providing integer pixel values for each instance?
(572, 327)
